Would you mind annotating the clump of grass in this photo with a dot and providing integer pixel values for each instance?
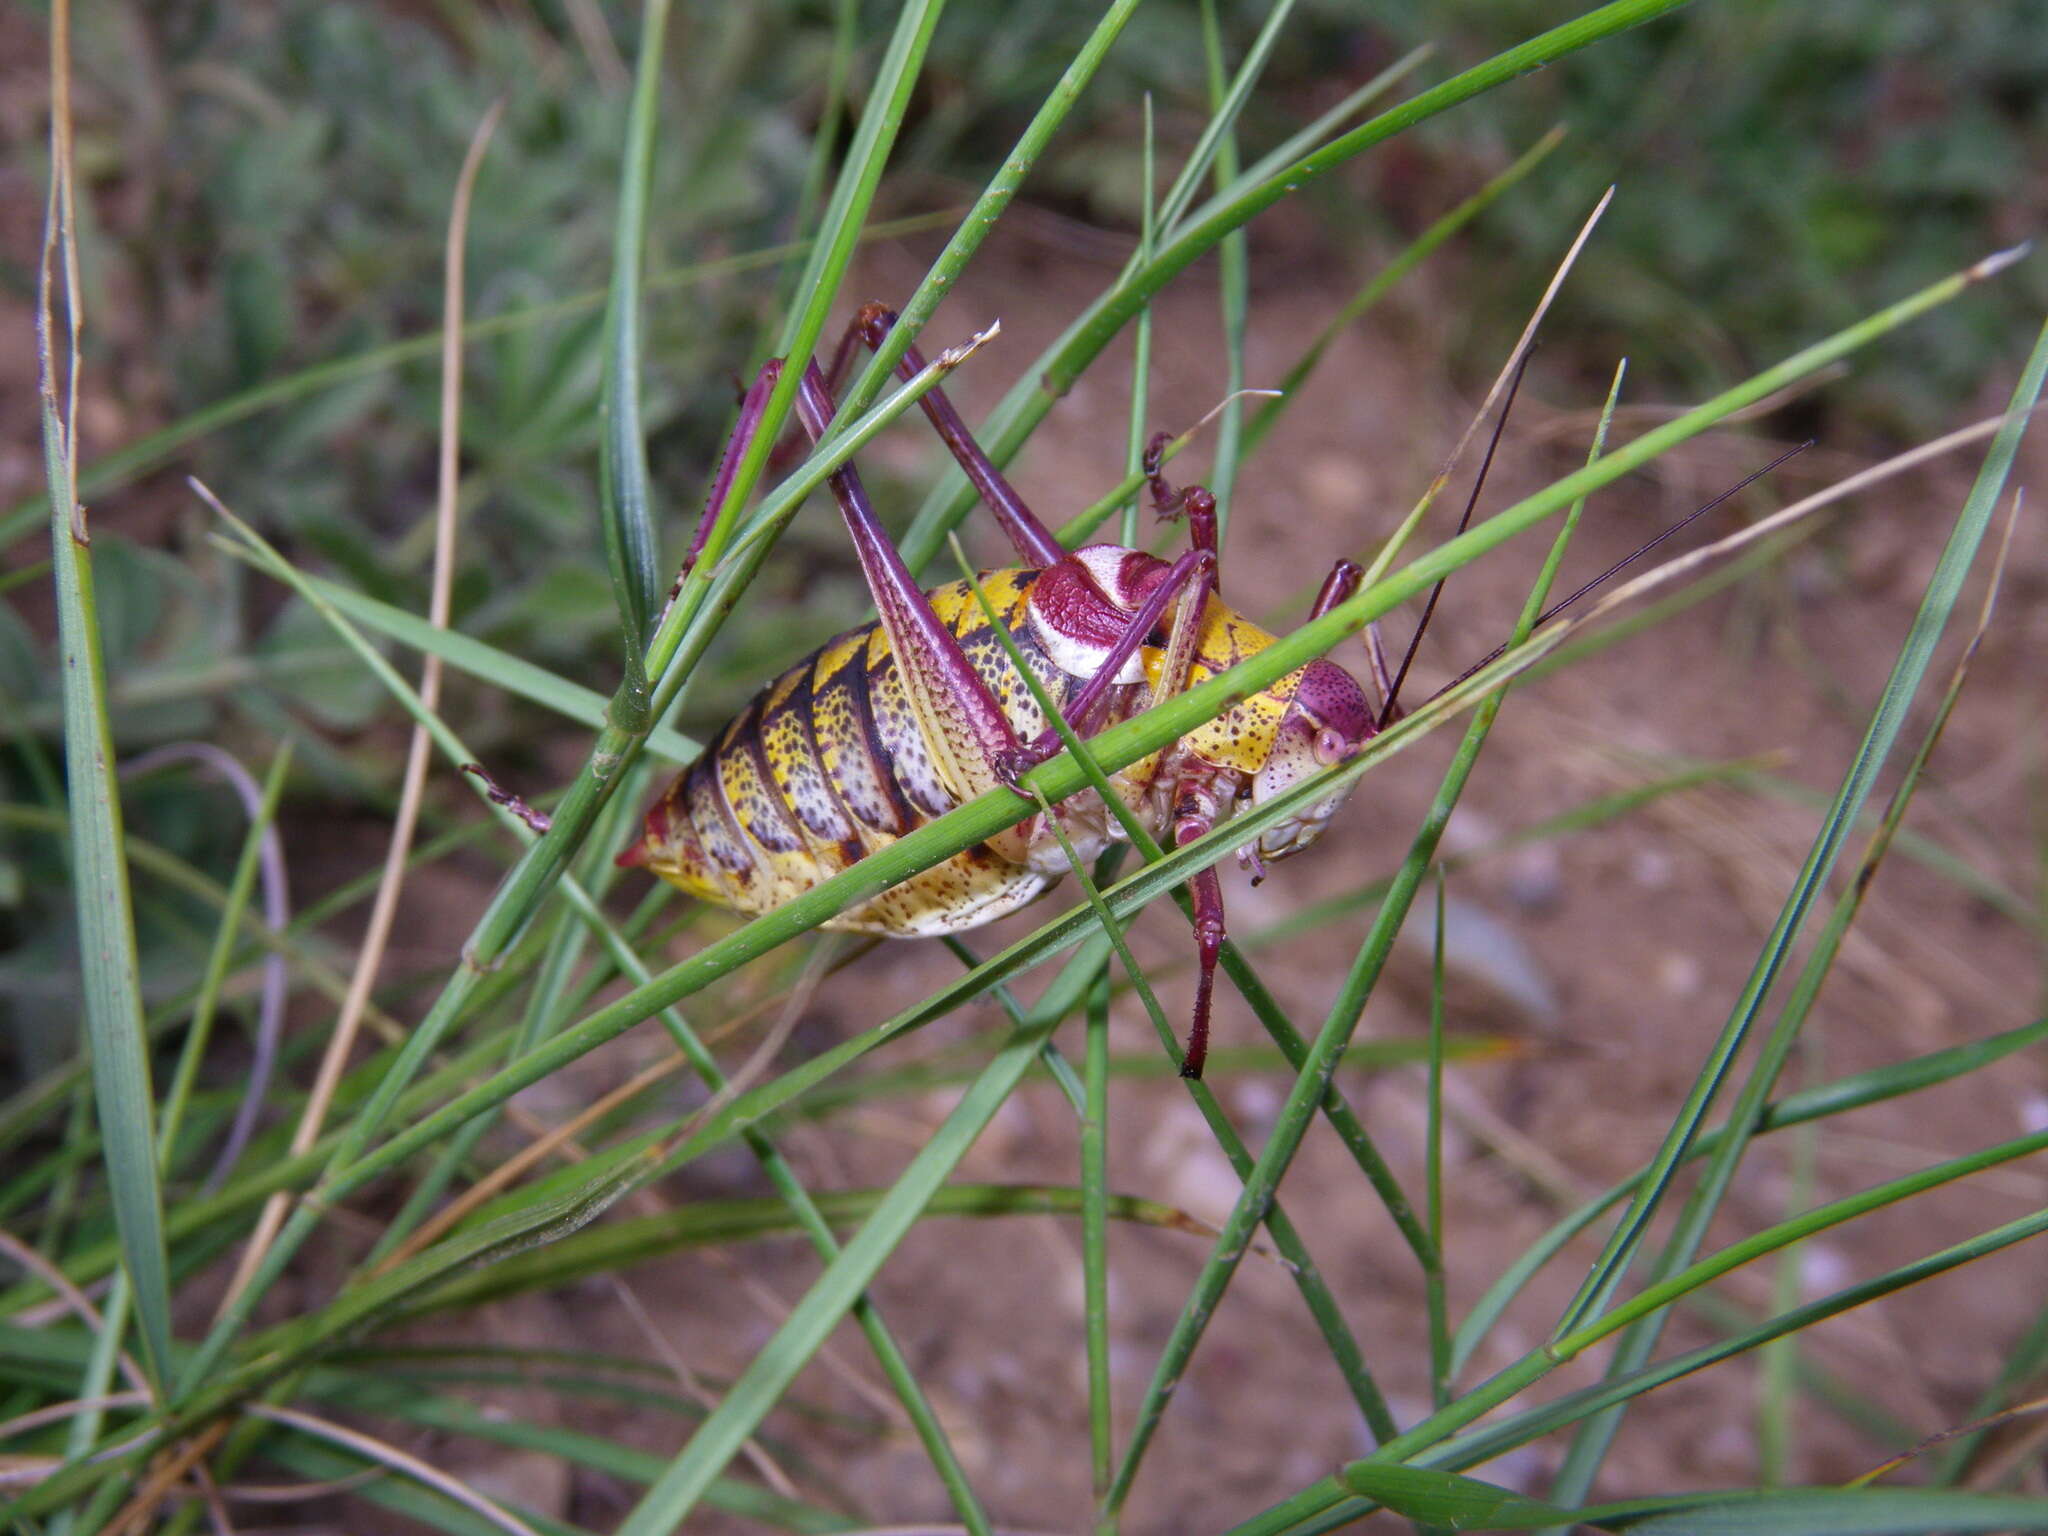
(112, 1166)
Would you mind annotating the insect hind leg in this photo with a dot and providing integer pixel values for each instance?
(1032, 540)
(752, 406)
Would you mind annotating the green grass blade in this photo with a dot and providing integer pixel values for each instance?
(1839, 1097)
(1307, 139)
(669, 1502)
(123, 466)
(1141, 348)
(830, 252)
(1233, 270)
(1463, 1503)
(112, 985)
(489, 664)
(1484, 1445)
(625, 510)
(1434, 1299)
(1095, 1235)
(1383, 282)
(634, 1240)
(989, 206)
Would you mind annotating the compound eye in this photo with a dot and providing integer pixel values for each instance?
(1331, 747)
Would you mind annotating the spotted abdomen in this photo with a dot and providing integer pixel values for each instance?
(826, 765)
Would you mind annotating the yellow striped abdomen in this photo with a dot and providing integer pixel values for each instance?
(826, 765)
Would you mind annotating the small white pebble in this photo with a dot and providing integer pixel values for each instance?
(1651, 868)
(1258, 1100)
(2034, 1113)
(1822, 1269)
(1536, 876)
(1679, 973)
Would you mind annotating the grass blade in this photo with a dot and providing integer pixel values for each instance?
(762, 1384)
(99, 870)
(625, 510)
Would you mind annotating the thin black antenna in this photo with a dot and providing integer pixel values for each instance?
(1465, 521)
(1493, 443)
(1623, 564)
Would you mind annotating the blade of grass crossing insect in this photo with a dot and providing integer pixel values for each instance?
(1095, 1233)
(1914, 654)
(1116, 746)
(111, 984)
(1233, 269)
(1745, 1116)
(1041, 385)
(625, 505)
(832, 249)
(1313, 1079)
(676, 1492)
(1315, 1292)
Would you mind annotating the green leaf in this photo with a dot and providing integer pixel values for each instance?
(1446, 1499)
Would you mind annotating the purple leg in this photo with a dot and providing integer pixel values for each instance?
(968, 730)
(1341, 583)
(1033, 541)
(1193, 502)
(1193, 818)
(1376, 653)
(752, 404)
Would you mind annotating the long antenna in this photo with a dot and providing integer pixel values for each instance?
(1393, 703)
(1624, 563)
